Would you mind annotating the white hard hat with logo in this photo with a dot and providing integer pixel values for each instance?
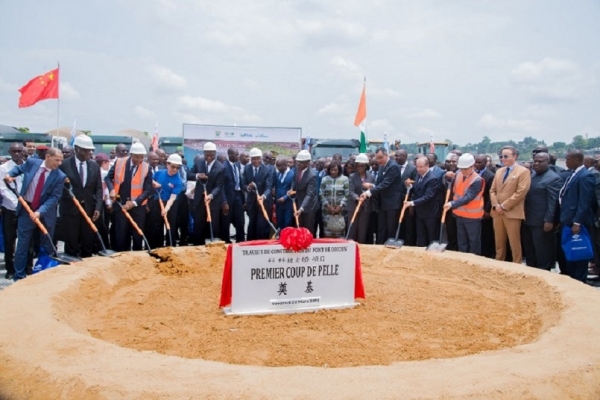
(138, 148)
(85, 142)
(466, 161)
(255, 152)
(209, 146)
(362, 158)
(174, 159)
(303, 155)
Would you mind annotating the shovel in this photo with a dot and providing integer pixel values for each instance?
(395, 243)
(104, 252)
(274, 231)
(208, 218)
(167, 224)
(360, 201)
(436, 246)
(62, 258)
(134, 225)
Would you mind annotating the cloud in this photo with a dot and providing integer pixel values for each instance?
(143, 112)
(68, 92)
(347, 67)
(7, 87)
(551, 80)
(331, 108)
(204, 104)
(380, 126)
(165, 78)
(420, 113)
(491, 122)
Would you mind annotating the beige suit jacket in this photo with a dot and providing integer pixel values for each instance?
(511, 193)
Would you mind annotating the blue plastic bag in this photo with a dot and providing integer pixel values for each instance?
(44, 262)
(577, 247)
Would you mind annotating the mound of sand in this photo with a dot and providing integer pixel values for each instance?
(433, 325)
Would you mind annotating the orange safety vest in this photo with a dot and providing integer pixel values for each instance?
(137, 181)
(474, 208)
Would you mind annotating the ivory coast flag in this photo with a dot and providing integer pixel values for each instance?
(361, 118)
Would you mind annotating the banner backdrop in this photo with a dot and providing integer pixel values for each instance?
(285, 141)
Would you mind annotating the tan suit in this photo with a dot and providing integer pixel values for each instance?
(510, 194)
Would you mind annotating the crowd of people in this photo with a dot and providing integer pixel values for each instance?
(511, 212)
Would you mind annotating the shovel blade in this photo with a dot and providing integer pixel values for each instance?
(393, 243)
(106, 253)
(65, 258)
(212, 241)
(437, 247)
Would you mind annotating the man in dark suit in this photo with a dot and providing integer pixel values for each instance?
(130, 178)
(305, 187)
(282, 185)
(257, 183)
(387, 190)
(86, 183)
(541, 202)
(488, 246)
(233, 198)
(425, 200)
(408, 171)
(578, 206)
(43, 184)
(209, 175)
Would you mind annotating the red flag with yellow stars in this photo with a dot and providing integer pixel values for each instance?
(39, 88)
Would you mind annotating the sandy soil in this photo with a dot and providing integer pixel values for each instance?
(432, 326)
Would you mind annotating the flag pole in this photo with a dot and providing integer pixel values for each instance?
(365, 88)
(58, 101)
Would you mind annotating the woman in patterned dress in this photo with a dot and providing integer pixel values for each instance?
(334, 194)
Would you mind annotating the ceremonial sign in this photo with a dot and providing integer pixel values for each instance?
(264, 278)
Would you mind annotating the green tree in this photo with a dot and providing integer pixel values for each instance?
(579, 142)
(23, 129)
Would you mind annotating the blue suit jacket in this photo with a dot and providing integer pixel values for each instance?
(281, 189)
(229, 182)
(53, 188)
(578, 202)
(264, 183)
(425, 195)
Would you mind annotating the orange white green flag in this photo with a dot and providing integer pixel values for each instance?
(361, 118)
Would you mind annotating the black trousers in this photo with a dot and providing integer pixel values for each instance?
(319, 222)
(427, 231)
(154, 229)
(235, 217)
(102, 225)
(387, 223)
(124, 232)
(451, 231)
(307, 220)
(258, 228)
(9, 228)
(181, 228)
(408, 228)
(538, 247)
(78, 236)
(201, 226)
(488, 242)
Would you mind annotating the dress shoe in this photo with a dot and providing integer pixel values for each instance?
(8, 276)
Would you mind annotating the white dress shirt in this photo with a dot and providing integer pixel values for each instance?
(9, 200)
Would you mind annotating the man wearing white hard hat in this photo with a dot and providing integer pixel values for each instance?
(209, 175)
(130, 178)
(167, 184)
(257, 185)
(305, 186)
(467, 205)
(86, 183)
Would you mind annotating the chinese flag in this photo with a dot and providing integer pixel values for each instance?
(39, 88)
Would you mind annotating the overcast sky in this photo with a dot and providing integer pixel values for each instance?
(455, 69)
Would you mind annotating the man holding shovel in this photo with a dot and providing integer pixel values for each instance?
(467, 205)
(425, 200)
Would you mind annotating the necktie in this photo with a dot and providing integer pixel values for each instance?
(81, 173)
(37, 195)
(133, 170)
(300, 176)
(506, 174)
(237, 177)
(255, 171)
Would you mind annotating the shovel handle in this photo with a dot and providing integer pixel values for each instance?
(135, 226)
(445, 210)
(296, 212)
(30, 212)
(208, 216)
(360, 201)
(162, 210)
(262, 206)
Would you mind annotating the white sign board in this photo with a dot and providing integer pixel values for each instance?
(270, 279)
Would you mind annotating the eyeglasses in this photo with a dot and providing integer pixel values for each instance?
(175, 166)
(505, 156)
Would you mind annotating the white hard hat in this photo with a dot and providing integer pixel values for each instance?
(174, 159)
(466, 161)
(85, 142)
(209, 146)
(255, 152)
(303, 155)
(137, 148)
(362, 158)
